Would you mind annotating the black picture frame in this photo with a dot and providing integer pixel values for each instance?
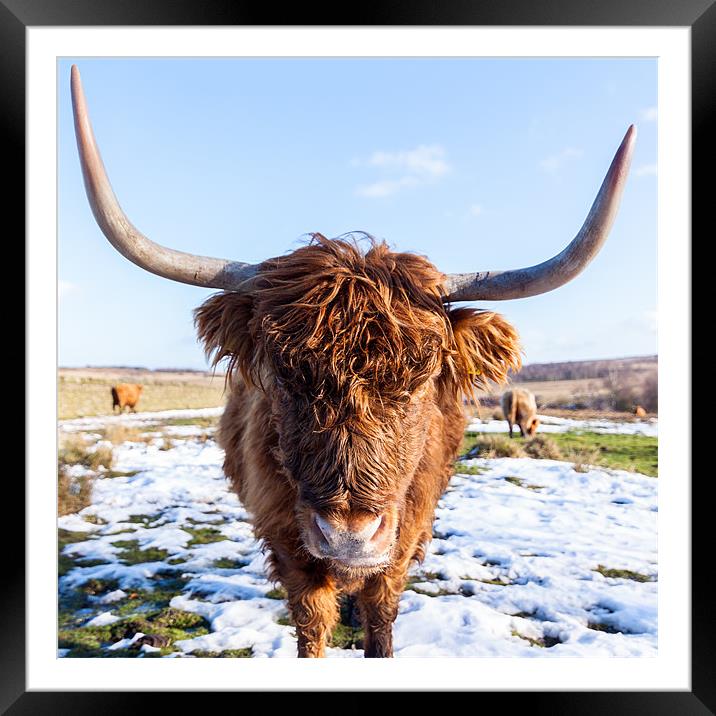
(699, 15)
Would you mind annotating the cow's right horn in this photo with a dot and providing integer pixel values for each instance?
(130, 242)
(555, 272)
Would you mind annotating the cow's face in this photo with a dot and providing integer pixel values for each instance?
(532, 428)
(356, 353)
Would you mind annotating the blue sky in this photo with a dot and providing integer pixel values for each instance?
(477, 163)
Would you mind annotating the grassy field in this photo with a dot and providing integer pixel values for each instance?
(86, 392)
(635, 453)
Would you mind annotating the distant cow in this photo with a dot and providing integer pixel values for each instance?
(639, 412)
(126, 395)
(520, 408)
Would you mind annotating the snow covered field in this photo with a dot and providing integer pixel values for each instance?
(550, 424)
(529, 558)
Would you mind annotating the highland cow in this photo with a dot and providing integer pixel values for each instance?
(520, 408)
(346, 370)
(126, 395)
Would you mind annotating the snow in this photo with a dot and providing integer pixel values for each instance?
(103, 619)
(511, 571)
(551, 424)
(136, 419)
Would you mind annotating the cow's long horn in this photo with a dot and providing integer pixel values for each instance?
(520, 283)
(131, 243)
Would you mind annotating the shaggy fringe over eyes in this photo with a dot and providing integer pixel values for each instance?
(347, 328)
(487, 347)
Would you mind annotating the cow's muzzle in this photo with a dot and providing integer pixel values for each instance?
(356, 542)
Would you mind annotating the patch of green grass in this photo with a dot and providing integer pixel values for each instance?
(286, 620)
(228, 563)
(635, 453)
(65, 562)
(416, 579)
(131, 554)
(178, 619)
(277, 593)
(519, 482)
(84, 637)
(100, 653)
(462, 469)
(162, 627)
(623, 574)
(246, 653)
(166, 587)
(204, 535)
(347, 637)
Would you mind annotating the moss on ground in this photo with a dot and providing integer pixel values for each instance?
(277, 593)
(246, 653)
(623, 574)
(462, 469)
(162, 629)
(204, 535)
(519, 482)
(132, 554)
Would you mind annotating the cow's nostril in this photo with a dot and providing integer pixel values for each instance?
(327, 530)
(371, 529)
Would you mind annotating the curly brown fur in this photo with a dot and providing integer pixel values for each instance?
(347, 374)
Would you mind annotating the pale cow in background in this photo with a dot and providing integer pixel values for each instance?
(520, 408)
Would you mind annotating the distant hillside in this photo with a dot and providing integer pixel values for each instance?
(580, 370)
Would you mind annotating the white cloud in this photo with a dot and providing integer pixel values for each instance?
(646, 170)
(557, 161)
(475, 209)
(387, 187)
(425, 163)
(65, 287)
(649, 114)
(425, 160)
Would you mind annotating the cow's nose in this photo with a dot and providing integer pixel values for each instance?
(334, 534)
(355, 540)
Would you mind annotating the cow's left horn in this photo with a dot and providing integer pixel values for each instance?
(521, 283)
(129, 241)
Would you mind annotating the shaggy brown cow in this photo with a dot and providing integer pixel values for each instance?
(126, 395)
(639, 412)
(346, 371)
(520, 408)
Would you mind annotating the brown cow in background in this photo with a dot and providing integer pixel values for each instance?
(126, 395)
(520, 408)
(346, 370)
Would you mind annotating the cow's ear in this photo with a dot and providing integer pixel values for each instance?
(485, 348)
(222, 323)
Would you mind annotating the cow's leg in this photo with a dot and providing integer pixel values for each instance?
(510, 424)
(313, 600)
(378, 603)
